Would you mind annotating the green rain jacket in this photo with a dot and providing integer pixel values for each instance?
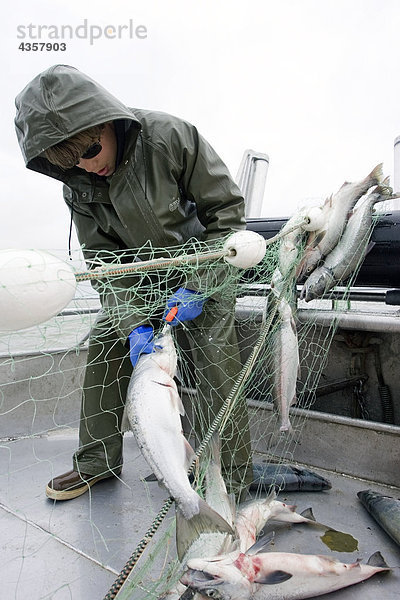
(169, 186)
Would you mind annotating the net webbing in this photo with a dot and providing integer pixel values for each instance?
(43, 367)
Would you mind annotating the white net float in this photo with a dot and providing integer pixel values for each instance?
(247, 249)
(34, 286)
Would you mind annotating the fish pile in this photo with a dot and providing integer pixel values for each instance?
(321, 247)
(336, 213)
(216, 542)
(229, 572)
(248, 571)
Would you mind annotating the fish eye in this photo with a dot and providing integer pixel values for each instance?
(213, 593)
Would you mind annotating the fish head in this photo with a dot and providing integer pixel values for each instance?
(218, 577)
(308, 263)
(226, 585)
(165, 353)
(283, 512)
(319, 282)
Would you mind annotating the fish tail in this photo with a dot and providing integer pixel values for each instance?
(377, 560)
(384, 187)
(286, 426)
(308, 514)
(376, 173)
(189, 530)
(309, 518)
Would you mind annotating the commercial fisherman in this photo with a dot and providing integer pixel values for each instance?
(132, 176)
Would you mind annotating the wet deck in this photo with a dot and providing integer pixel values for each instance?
(75, 550)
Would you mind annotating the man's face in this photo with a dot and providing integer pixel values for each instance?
(104, 163)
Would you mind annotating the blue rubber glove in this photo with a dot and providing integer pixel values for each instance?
(189, 305)
(140, 342)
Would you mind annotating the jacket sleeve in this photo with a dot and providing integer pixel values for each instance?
(220, 205)
(124, 307)
(207, 181)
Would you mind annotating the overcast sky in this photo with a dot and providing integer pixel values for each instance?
(315, 84)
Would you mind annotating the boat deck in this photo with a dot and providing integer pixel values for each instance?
(76, 549)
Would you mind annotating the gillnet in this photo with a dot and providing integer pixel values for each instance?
(228, 382)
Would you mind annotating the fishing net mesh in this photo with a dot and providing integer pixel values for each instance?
(42, 370)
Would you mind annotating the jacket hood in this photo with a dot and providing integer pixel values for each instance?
(56, 105)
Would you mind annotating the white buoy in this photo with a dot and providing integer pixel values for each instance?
(34, 286)
(248, 248)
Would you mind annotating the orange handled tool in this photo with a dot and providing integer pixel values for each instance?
(172, 314)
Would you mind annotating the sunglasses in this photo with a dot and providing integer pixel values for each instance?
(92, 151)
